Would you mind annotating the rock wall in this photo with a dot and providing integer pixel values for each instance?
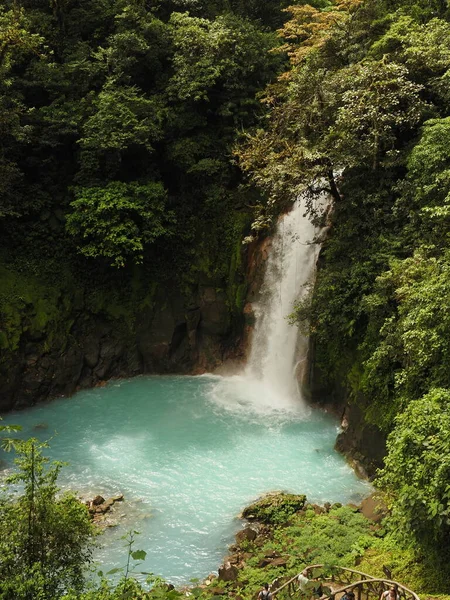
(57, 340)
(363, 443)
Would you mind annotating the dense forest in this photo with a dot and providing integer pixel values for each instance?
(363, 112)
(142, 140)
(119, 193)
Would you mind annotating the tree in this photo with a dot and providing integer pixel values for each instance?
(16, 42)
(44, 538)
(416, 476)
(117, 221)
(7, 443)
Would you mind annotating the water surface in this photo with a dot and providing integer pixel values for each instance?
(188, 453)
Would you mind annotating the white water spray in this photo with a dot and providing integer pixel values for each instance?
(279, 351)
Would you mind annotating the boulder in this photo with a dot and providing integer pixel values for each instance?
(372, 509)
(98, 500)
(274, 507)
(264, 562)
(246, 535)
(228, 572)
(279, 562)
(233, 559)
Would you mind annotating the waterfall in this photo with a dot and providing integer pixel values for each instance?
(278, 353)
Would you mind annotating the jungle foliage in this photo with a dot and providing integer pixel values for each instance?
(118, 119)
(45, 538)
(117, 128)
(362, 114)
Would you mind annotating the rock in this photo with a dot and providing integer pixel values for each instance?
(40, 427)
(98, 500)
(118, 498)
(246, 535)
(279, 562)
(233, 559)
(272, 554)
(216, 591)
(362, 443)
(91, 352)
(373, 509)
(263, 563)
(228, 572)
(273, 506)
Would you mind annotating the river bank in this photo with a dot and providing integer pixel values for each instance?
(284, 533)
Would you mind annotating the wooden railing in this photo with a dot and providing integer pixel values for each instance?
(338, 580)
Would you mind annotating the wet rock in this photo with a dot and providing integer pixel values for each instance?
(40, 427)
(91, 353)
(99, 507)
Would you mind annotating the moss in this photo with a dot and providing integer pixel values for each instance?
(275, 508)
(26, 304)
(240, 297)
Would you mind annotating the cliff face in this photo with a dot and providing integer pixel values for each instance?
(363, 443)
(57, 339)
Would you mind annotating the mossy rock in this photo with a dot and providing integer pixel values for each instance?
(275, 508)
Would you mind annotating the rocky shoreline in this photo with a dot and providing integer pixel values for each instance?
(265, 517)
(101, 510)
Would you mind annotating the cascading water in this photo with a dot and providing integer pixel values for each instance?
(278, 355)
(278, 349)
